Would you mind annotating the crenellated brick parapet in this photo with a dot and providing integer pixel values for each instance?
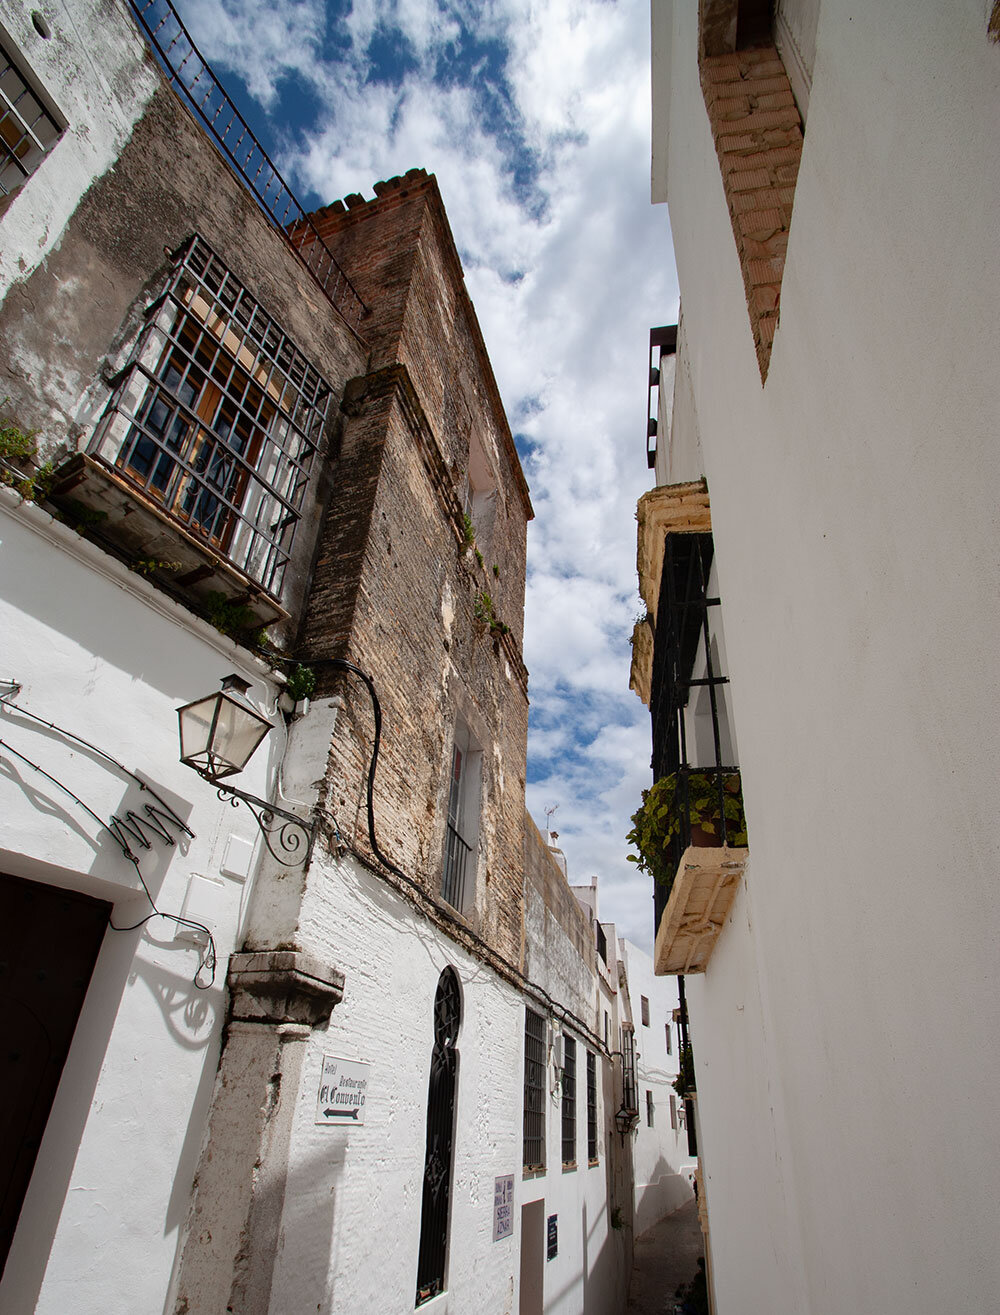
(758, 137)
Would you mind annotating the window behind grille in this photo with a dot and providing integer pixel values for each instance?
(218, 416)
(569, 1102)
(591, 1106)
(28, 128)
(645, 1010)
(534, 1091)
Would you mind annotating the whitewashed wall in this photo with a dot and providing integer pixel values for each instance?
(103, 654)
(660, 1155)
(100, 88)
(854, 515)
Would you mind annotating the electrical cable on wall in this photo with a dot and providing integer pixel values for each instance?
(510, 970)
(119, 828)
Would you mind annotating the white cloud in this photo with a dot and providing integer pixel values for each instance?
(567, 338)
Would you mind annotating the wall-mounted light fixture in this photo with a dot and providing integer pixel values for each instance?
(626, 1120)
(219, 735)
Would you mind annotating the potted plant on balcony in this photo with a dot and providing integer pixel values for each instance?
(659, 821)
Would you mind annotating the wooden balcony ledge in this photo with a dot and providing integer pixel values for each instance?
(699, 903)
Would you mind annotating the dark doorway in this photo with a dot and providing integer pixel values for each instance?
(532, 1258)
(51, 939)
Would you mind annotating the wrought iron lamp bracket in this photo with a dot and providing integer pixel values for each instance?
(294, 836)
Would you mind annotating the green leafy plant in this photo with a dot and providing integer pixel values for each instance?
(469, 528)
(18, 447)
(228, 615)
(496, 571)
(483, 609)
(659, 819)
(683, 1083)
(80, 516)
(479, 557)
(301, 683)
(147, 565)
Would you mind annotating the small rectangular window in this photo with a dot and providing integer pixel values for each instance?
(649, 1109)
(462, 828)
(534, 1091)
(591, 1107)
(29, 128)
(673, 1112)
(645, 1010)
(569, 1103)
(670, 1040)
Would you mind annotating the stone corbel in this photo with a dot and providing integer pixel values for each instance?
(282, 986)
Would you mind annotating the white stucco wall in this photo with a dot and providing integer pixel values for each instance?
(103, 654)
(660, 1155)
(351, 1223)
(853, 509)
(100, 89)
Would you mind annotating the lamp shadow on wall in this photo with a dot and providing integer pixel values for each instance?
(303, 1281)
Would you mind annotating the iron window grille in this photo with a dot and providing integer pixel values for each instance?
(218, 416)
(649, 1108)
(591, 1107)
(644, 1010)
(682, 628)
(533, 1156)
(28, 128)
(569, 1103)
(670, 1040)
(630, 1092)
(441, 1091)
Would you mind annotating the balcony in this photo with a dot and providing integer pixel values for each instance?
(700, 899)
(198, 470)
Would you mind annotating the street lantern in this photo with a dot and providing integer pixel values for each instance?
(219, 733)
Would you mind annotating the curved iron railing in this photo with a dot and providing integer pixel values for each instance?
(189, 72)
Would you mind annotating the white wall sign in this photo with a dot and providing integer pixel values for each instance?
(343, 1089)
(503, 1207)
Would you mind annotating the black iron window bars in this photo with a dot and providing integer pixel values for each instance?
(28, 130)
(218, 417)
(591, 1106)
(569, 1102)
(630, 1092)
(682, 630)
(190, 73)
(534, 1091)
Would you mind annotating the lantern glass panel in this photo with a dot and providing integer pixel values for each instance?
(219, 734)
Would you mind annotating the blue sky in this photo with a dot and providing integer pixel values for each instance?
(535, 118)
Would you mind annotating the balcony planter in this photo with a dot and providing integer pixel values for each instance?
(684, 806)
(679, 834)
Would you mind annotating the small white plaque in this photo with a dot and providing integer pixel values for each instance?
(343, 1091)
(503, 1207)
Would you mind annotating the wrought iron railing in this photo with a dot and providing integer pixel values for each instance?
(189, 72)
(630, 1090)
(456, 860)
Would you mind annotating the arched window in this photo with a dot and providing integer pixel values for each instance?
(441, 1090)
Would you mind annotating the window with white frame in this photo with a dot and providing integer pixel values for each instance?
(30, 125)
(462, 828)
(217, 417)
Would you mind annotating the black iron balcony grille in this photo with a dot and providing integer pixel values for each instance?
(218, 416)
(682, 626)
(630, 1092)
(456, 861)
(189, 72)
(569, 1101)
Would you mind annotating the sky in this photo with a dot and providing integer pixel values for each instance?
(534, 115)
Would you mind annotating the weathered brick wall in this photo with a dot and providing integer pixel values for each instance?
(396, 588)
(758, 138)
(72, 321)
